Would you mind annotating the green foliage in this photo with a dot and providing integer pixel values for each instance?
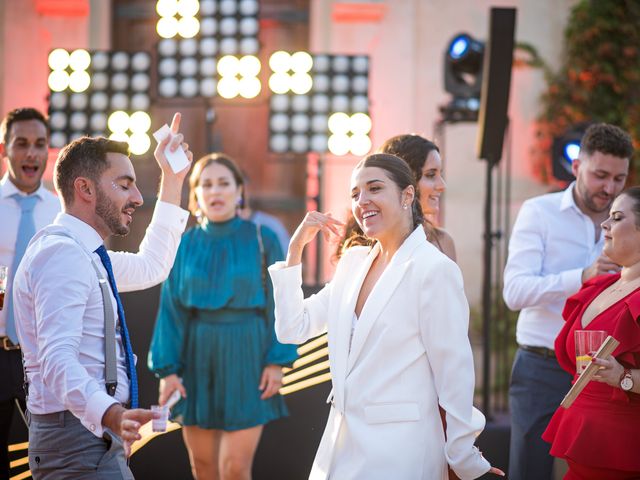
(600, 76)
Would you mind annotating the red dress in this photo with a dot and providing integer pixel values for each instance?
(599, 434)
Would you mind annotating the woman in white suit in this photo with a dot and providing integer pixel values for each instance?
(397, 320)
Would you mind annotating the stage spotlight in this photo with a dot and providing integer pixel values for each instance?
(210, 29)
(463, 60)
(564, 150)
(238, 76)
(91, 87)
(306, 104)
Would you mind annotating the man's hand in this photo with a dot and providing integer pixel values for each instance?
(171, 182)
(126, 423)
(602, 265)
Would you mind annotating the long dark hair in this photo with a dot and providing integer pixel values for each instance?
(412, 148)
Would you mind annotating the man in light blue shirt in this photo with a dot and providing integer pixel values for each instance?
(555, 246)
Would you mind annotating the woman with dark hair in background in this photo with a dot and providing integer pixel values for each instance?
(397, 320)
(214, 337)
(599, 434)
(423, 156)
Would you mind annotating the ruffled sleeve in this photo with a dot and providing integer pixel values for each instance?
(165, 353)
(277, 353)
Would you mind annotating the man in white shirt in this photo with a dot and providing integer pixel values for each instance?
(555, 246)
(25, 207)
(79, 426)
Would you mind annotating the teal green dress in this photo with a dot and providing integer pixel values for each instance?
(211, 328)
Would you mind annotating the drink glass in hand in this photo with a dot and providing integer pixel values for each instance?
(587, 344)
(4, 270)
(160, 424)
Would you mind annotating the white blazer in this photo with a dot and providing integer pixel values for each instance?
(410, 351)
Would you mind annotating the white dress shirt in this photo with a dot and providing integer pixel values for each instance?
(551, 243)
(44, 212)
(59, 311)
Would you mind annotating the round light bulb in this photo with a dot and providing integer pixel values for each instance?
(139, 143)
(188, 27)
(118, 122)
(58, 59)
(167, 8)
(301, 83)
(188, 8)
(79, 59)
(228, 66)
(228, 87)
(250, 87)
(249, 66)
(280, 62)
(360, 145)
(279, 83)
(79, 81)
(139, 122)
(58, 80)
(339, 144)
(360, 124)
(339, 123)
(167, 27)
(301, 62)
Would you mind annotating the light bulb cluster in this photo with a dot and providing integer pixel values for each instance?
(178, 18)
(69, 70)
(187, 67)
(239, 76)
(291, 72)
(299, 123)
(349, 134)
(117, 81)
(133, 129)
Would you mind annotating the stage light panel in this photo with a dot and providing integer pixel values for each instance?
(82, 99)
(224, 27)
(330, 87)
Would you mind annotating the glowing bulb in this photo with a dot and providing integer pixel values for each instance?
(139, 122)
(167, 8)
(249, 87)
(139, 143)
(280, 62)
(339, 123)
(188, 27)
(58, 59)
(188, 8)
(339, 144)
(58, 80)
(301, 62)
(118, 122)
(249, 66)
(301, 83)
(360, 144)
(167, 27)
(79, 60)
(79, 81)
(228, 66)
(279, 83)
(360, 124)
(228, 87)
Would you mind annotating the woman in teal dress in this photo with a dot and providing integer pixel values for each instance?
(214, 339)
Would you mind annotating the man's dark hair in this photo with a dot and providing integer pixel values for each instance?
(608, 139)
(20, 115)
(84, 157)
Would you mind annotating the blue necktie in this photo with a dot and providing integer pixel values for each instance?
(26, 231)
(131, 366)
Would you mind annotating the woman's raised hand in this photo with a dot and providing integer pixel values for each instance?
(312, 223)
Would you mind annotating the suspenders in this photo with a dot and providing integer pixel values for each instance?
(110, 364)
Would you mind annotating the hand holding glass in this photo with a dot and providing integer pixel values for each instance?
(587, 344)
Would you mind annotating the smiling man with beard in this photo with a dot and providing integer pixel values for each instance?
(555, 246)
(25, 207)
(83, 412)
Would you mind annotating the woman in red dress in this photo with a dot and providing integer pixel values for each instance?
(599, 435)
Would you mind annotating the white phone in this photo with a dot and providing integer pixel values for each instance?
(173, 399)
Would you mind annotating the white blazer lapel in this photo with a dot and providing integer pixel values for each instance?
(347, 310)
(381, 293)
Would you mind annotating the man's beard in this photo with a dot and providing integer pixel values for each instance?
(110, 214)
(591, 204)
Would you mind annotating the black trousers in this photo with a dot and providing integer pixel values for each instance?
(11, 387)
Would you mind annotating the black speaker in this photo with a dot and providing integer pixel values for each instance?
(494, 98)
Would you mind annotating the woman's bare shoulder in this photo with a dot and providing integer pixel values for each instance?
(445, 243)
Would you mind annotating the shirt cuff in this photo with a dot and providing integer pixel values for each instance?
(170, 216)
(97, 405)
(280, 269)
(571, 281)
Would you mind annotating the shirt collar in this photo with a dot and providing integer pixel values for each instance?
(567, 198)
(81, 231)
(7, 189)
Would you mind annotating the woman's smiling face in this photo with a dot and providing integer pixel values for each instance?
(431, 184)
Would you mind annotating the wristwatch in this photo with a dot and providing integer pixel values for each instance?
(626, 380)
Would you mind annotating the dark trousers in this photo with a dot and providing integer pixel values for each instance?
(538, 385)
(11, 388)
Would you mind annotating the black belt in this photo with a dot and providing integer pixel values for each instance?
(542, 351)
(8, 345)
